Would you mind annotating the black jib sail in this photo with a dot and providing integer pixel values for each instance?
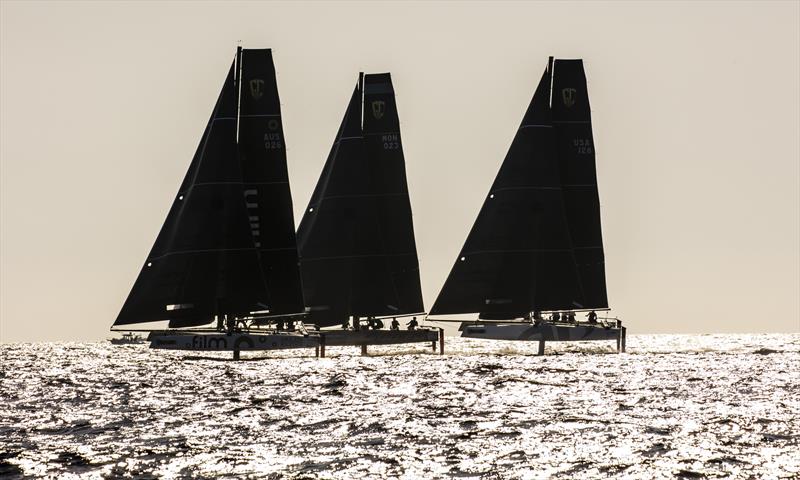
(519, 256)
(228, 244)
(357, 250)
(573, 124)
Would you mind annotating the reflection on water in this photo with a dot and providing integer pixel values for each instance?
(674, 406)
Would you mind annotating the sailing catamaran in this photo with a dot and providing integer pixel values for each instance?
(536, 245)
(358, 256)
(227, 250)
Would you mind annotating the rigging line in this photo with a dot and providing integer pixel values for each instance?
(532, 250)
(572, 121)
(551, 67)
(237, 183)
(347, 138)
(536, 126)
(382, 133)
(532, 187)
(238, 86)
(361, 98)
(213, 250)
(371, 255)
(363, 195)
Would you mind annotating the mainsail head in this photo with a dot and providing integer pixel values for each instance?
(227, 245)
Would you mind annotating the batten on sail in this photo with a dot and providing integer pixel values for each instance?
(356, 238)
(227, 246)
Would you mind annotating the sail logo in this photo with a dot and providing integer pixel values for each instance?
(378, 109)
(251, 204)
(568, 96)
(201, 342)
(256, 88)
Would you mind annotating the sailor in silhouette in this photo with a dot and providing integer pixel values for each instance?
(412, 325)
(592, 317)
(554, 317)
(370, 323)
(378, 324)
(346, 323)
(395, 324)
(571, 317)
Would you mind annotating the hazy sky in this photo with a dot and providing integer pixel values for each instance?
(696, 111)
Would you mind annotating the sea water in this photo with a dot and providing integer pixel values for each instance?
(673, 406)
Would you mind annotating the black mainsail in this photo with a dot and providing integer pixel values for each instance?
(357, 250)
(228, 244)
(520, 256)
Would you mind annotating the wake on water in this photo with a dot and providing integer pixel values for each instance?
(673, 406)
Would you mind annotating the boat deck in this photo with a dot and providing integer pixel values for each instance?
(545, 332)
(254, 340)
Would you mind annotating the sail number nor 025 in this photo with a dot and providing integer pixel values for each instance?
(391, 141)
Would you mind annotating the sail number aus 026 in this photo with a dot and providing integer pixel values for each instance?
(391, 141)
(272, 139)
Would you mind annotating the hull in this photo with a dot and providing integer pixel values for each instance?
(549, 332)
(221, 342)
(379, 337)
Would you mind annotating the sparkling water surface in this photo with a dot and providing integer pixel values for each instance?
(674, 406)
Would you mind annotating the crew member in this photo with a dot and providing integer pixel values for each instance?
(346, 323)
(395, 324)
(412, 325)
(378, 324)
(592, 317)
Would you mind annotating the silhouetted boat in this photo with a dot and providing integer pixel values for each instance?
(128, 338)
(358, 256)
(536, 245)
(227, 250)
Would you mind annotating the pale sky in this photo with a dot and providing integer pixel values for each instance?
(696, 113)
